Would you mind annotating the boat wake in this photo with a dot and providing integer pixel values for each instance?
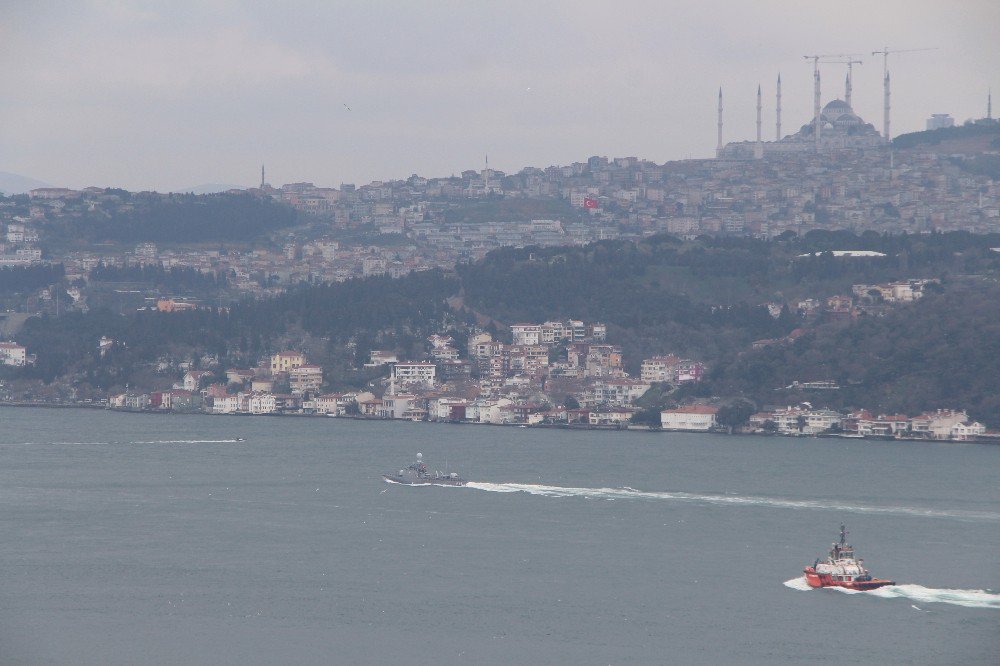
(918, 593)
(737, 500)
(189, 441)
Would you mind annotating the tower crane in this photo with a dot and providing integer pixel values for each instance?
(885, 55)
(850, 62)
(816, 96)
(885, 83)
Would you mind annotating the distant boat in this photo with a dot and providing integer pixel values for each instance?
(841, 569)
(417, 474)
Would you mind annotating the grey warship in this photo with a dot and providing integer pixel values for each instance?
(417, 474)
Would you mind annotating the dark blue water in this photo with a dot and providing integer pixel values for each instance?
(127, 541)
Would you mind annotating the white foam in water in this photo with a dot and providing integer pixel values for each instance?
(739, 500)
(918, 593)
(798, 584)
(190, 441)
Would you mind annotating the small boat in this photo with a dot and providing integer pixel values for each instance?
(417, 474)
(841, 569)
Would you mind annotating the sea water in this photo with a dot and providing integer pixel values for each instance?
(221, 540)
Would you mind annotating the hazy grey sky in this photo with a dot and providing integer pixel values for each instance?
(171, 94)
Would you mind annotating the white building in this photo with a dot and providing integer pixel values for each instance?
(305, 378)
(404, 374)
(14, 354)
(379, 357)
(693, 417)
(526, 334)
(228, 404)
(940, 121)
(946, 424)
(618, 391)
(660, 369)
(399, 406)
(261, 403)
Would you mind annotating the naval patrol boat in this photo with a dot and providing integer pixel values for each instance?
(417, 474)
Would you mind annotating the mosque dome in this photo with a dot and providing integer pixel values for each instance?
(838, 114)
(837, 106)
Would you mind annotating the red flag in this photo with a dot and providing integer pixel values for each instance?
(590, 203)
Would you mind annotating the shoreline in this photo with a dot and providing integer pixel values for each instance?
(560, 426)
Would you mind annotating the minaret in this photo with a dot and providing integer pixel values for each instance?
(261, 176)
(989, 105)
(486, 174)
(777, 121)
(718, 150)
(847, 89)
(885, 112)
(758, 149)
(816, 110)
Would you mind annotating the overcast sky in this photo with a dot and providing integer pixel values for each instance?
(172, 94)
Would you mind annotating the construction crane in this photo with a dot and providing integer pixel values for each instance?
(850, 74)
(885, 55)
(817, 58)
(885, 84)
(816, 97)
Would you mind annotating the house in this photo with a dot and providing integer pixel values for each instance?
(136, 401)
(865, 424)
(447, 408)
(615, 416)
(284, 361)
(226, 404)
(105, 344)
(171, 305)
(192, 379)
(261, 403)
(328, 403)
(261, 385)
(946, 424)
(398, 406)
(238, 375)
(305, 378)
(368, 405)
(13, 354)
(380, 357)
(692, 417)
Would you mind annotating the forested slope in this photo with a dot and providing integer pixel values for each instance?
(942, 351)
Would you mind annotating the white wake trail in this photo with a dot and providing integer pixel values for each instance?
(189, 441)
(738, 500)
(918, 593)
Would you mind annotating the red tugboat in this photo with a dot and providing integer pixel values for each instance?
(842, 570)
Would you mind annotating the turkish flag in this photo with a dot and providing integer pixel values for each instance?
(590, 203)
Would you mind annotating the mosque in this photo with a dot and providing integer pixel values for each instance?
(836, 126)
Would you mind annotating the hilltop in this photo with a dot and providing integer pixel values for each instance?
(963, 139)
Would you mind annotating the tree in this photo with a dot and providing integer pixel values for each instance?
(572, 403)
(735, 414)
(647, 417)
(352, 408)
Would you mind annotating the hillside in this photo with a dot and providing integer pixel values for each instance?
(702, 297)
(125, 217)
(705, 299)
(942, 351)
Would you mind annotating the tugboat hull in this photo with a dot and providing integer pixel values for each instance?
(826, 580)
